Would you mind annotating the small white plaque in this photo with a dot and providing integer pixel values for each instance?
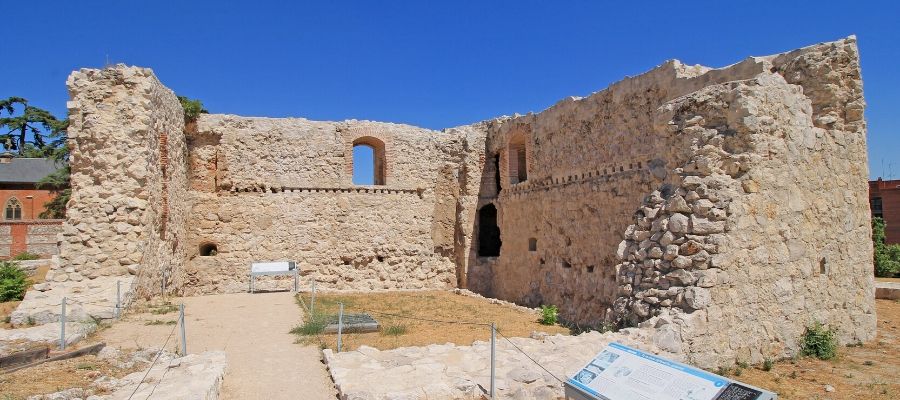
(271, 266)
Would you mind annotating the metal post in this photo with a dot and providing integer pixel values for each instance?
(118, 299)
(62, 326)
(164, 284)
(183, 337)
(340, 326)
(312, 301)
(493, 347)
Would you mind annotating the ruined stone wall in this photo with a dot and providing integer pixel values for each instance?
(129, 179)
(766, 228)
(739, 193)
(280, 189)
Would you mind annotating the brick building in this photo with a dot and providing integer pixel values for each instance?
(884, 197)
(21, 228)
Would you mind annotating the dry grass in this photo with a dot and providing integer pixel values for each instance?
(403, 330)
(895, 280)
(859, 372)
(58, 375)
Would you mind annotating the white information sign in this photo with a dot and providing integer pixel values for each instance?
(622, 373)
(271, 266)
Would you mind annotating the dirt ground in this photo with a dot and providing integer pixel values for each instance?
(405, 325)
(56, 376)
(252, 329)
(870, 371)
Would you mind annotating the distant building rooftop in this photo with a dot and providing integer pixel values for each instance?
(25, 170)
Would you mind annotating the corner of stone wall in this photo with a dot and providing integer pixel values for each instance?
(728, 262)
(128, 206)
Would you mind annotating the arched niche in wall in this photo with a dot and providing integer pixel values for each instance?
(517, 157)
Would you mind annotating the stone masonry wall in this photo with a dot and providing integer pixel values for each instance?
(765, 230)
(280, 189)
(129, 179)
(724, 210)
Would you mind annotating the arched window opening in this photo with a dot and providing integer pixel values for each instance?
(369, 162)
(208, 249)
(488, 232)
(13, 209)
(518, 159)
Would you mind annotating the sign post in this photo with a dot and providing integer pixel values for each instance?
(622, 373)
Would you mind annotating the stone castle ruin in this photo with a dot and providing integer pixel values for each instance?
(725, 208)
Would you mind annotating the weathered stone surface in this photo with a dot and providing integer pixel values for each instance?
(586, 205)
(455, 372)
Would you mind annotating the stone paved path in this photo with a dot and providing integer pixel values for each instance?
(252, 329)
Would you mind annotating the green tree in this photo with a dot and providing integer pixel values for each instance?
(48, 140)
(46, 131)
(887, 257)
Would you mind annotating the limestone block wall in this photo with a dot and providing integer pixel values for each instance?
(129, 179)
(725, 208)
(765, 229)
(280, 189)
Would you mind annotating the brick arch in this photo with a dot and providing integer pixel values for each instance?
(379, 140)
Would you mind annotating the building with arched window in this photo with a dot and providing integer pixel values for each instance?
(24, 226)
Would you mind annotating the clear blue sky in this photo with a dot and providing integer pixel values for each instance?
(429, 63)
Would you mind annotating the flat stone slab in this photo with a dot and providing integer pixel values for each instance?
(86, 301)
(449, 371)
(192, 377)
(353, 323)
(12, 340)
(887, 290)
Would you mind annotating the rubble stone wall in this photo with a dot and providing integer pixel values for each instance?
(129, 180)
(723, 209)
(281, 189)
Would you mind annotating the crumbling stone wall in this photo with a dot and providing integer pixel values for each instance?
(280, 189)
(722, 209)
(129, 180)
(768, 229)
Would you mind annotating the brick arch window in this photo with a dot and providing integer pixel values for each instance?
(517, 156)
(367, 172)
(13, 209)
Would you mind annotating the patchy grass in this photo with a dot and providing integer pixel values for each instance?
(394, 330)
(858, 372)
(58, 375)
(164, 309)
(158, 322)
(403, 319)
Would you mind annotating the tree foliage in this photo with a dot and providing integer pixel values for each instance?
(23, 122)
(47, 136)
(887, 256)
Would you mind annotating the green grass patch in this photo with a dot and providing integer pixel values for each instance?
(394, 330)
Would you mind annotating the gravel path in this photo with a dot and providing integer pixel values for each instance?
(252, 329)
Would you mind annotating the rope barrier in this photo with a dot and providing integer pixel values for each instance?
(428, 320)
(158, 354)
